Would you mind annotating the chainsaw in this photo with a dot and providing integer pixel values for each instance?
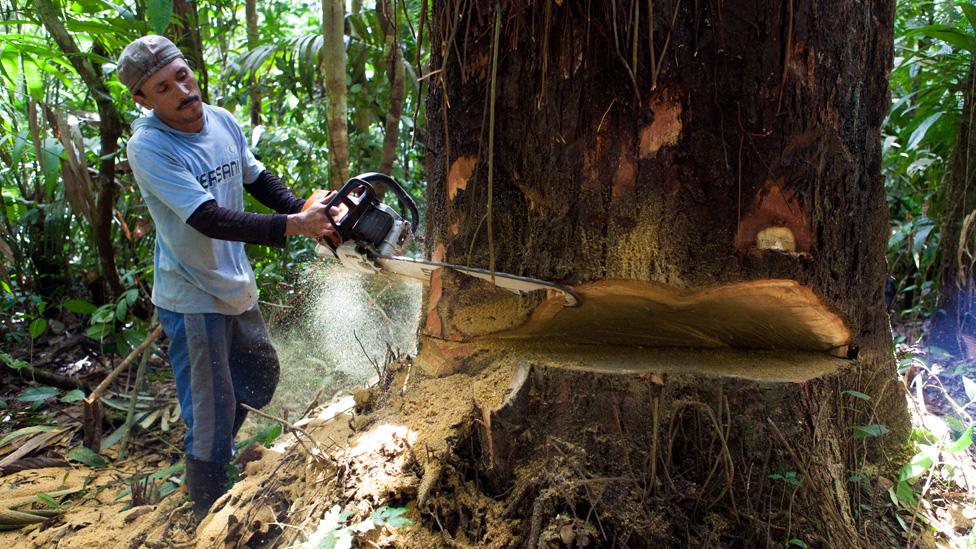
(372, 236)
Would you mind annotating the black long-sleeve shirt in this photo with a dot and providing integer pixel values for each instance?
(226, 224)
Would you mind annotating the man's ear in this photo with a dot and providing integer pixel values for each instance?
(142, 101)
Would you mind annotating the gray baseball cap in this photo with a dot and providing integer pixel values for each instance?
(143, 57)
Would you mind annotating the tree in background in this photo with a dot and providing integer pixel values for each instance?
(110, 129)
(334, 67)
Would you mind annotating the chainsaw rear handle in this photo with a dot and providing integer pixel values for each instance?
(355, 208)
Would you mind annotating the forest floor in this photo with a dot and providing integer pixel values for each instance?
(357, 468)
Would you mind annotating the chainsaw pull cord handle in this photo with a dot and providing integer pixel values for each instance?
(404, 198)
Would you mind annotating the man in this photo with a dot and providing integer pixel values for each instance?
(192, 163)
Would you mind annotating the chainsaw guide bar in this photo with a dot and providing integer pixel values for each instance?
(421, 270)
(369, 236)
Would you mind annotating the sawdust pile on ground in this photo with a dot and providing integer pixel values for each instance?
(360, 462)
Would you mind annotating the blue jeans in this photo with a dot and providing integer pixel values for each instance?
(218, 361)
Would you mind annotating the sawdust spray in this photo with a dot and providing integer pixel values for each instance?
(320, 350)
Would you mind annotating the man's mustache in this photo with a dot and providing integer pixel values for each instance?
(188, 100)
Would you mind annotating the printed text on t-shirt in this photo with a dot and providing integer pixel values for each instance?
(220, 173)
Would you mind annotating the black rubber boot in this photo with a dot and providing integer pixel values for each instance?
(205, 482)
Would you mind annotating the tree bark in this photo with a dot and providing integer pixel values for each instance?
(395, 75)
(110, 128)
(356, 61)
(954, 320)
(187, 34)
(253, 40)
(334, 66)
(630, 148)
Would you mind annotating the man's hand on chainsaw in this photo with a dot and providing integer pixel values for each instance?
(313, 221)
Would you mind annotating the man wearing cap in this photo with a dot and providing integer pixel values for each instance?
(192, 164)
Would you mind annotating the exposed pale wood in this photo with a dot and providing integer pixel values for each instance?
(759, 314)
(439, 358)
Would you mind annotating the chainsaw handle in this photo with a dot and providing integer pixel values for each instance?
(354, 208)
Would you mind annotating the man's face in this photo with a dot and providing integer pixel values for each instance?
(173, 93)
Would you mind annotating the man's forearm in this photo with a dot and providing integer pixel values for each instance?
(226, 224)
(269, 190)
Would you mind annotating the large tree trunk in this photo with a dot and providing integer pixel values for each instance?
(712, 189)
(955, 319)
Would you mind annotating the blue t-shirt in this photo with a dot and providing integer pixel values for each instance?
(177, 172)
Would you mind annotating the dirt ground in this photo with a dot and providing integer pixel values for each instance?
(406, 464)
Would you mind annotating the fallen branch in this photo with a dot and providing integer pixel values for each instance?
(93, 409)
(50, 378)
(103, 386)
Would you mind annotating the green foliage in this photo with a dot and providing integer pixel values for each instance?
(87, 457)
(930, 449)
(47, 250)
(26, 431)
(37, 395)
(873, 430)
(788, 477)
(934, 43)
(74, 395)
(333, 531)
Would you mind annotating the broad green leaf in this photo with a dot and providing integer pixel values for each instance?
(57, 73)
(20, 146)
(797, 542)
(79, 306)
(903, 493)
(87, 457)
(920, 131)
(970, 387)
(131, 295)
(167, 488)
(37, 394)
(857, 394)
(33, 79)
(73, 395)
(920, 463)
(963, 442)
(8, 69)
(26, 431)
(956, 38)
(47, 500)
(11, 362)
(391, 516)
(37, 327)
(121, 308)
(103, 314)
(158, 13)
(970, 11)
(99, 331)
(872, 430)
(52, 150)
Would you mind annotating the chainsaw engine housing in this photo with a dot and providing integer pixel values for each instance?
(367, 228)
